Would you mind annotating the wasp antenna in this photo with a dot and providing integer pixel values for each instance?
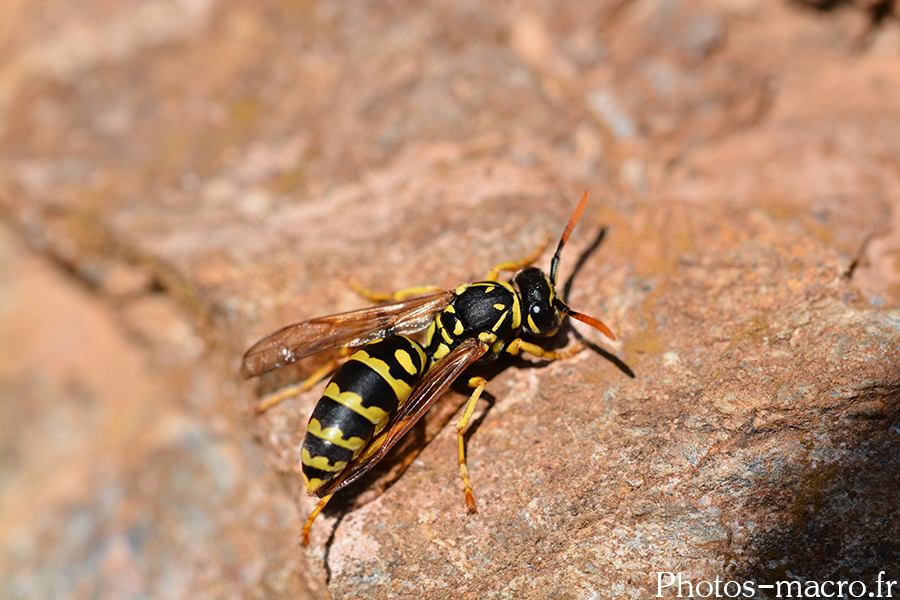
(554, 264)
(595, 323)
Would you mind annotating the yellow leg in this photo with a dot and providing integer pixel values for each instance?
(478, 383)
(304, 533)
(494, 273)
(399, 295)
(298, 388)
(520, 345)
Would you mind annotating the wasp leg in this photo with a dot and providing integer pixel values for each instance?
(520, 345)
(478, 383)
(304, 533)
(399, 295)
(298, 388)
(515, 265)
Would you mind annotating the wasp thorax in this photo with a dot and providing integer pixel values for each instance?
(541, 317)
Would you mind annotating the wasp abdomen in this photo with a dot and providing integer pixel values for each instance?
(359, 400)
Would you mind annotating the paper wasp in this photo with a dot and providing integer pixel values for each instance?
(390, 380)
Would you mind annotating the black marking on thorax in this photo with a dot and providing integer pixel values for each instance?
(487, 310)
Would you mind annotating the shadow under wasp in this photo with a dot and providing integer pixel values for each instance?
(388, 380)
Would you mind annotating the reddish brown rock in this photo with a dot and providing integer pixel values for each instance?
(207, 172)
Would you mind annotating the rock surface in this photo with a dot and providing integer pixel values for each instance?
(190, 176)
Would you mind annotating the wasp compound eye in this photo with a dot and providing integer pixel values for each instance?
(538, 298)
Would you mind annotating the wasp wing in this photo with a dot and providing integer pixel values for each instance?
(429, 389)
(355, 328)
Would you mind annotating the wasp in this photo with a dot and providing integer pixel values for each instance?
(389, 380)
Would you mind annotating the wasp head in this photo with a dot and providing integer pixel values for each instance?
(542, 308)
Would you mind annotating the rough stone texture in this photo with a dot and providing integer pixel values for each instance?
(191, 175)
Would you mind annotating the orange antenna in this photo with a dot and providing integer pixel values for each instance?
(554, 271)
(554, 264)
(595, 323)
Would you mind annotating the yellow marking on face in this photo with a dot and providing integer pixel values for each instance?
(405, 360)
(321, 462)
(353, 401)
(531, 325)
(335, 436)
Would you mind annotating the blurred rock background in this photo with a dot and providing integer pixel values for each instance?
(178, 178)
